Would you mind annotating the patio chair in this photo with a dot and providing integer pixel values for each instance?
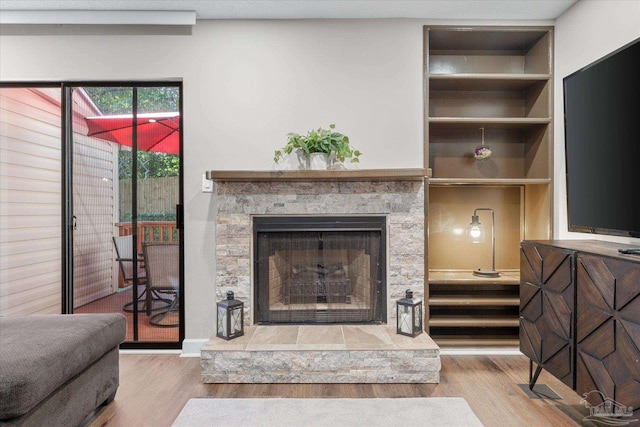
(162, 262)
(124, 256)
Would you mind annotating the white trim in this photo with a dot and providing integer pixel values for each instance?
(146, 351)
(481, 351)
(98, 17)
(191, 347)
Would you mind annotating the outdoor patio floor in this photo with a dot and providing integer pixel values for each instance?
(146, 332)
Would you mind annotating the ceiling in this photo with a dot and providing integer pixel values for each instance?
(310, 9)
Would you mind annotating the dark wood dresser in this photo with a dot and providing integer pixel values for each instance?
(580, 316)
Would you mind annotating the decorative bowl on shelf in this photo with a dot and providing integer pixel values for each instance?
(482, 151)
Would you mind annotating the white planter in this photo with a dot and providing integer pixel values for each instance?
(319, 161)
(295, 161)
(303, 160)
(290, 162)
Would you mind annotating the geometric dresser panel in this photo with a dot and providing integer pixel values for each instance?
(547, 301)
(608, 328)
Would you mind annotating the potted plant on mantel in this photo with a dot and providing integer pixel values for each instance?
(319, 148)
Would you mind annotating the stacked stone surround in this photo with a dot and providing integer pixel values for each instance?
(392, 359)
(292, 366)
(401, 201)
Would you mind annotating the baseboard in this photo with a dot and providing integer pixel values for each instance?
(191, 347)
(480, 351)
(149, 351)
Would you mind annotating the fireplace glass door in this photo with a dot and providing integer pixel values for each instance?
(320, 270)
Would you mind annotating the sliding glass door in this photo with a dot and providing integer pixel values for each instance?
(90, 197)
(126, 180)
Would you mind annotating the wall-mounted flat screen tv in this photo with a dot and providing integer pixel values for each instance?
(602, 143)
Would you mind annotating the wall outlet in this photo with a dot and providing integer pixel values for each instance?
(207, 184)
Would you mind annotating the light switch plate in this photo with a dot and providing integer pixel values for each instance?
(207, 184)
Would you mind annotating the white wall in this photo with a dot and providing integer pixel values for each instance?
(248, 83)
(586, 32)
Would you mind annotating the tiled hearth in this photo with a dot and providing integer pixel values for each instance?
(321, 354)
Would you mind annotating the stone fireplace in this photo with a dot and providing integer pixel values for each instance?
(337, 248)
(334, 286)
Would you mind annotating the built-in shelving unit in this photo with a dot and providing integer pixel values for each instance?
(499, 79)
(467, 309)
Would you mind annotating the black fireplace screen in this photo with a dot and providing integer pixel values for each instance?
(319, 270)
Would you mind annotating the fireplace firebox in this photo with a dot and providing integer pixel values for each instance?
(320, 269)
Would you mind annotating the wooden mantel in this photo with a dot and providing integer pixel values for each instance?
(415, 174)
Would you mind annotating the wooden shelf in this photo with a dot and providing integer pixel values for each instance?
(474, 301)
(507, 277)
(488, 122)
(460, 40)
(460, 300)
(416, 174)
(473, 322)
(489, 181)
(486, 81)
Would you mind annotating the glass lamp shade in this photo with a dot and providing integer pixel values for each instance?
(409, 315)
(475, 230)
(230, 319)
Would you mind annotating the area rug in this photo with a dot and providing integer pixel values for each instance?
(427, 411)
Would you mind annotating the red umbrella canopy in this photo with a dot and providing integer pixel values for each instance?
(157, 132)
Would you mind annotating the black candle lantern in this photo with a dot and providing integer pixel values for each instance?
(230, 318)
(409, 315)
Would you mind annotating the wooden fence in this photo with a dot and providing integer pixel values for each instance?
(151, 231)
(155, 195)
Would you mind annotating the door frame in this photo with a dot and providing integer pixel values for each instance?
(66, 142)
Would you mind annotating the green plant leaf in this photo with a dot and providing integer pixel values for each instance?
(320, 141)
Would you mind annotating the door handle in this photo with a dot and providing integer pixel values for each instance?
(75, 222)
(179, 217)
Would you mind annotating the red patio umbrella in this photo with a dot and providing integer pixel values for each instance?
(157, 132)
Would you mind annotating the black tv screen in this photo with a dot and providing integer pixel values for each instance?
(602, 143)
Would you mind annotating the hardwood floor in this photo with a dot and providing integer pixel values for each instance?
(154, 388)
